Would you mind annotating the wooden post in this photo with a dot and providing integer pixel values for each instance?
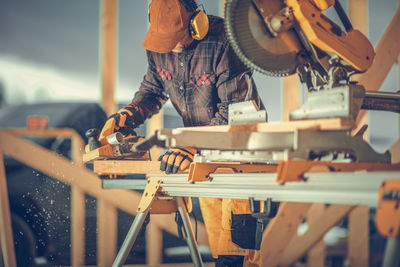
(77, 209)
(387, 52)
(281, 230)
(108, 54)
(153, 124)
(358, 14)
(358, 237)
(291, 95)
(107, 233)
(6, 234)
(316, 255)
(299, 245)
(153, 244)
(358, 232)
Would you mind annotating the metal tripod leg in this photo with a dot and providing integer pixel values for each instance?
(194, 251)
(130, 239)
(392, 255)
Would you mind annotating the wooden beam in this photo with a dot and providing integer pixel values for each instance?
(155, 123)
(286, 126)
(67, 172)
(77, 227)
(316, 255)
(78, 213)
(387, 52)
(126, 166)
(153, 244)
(6, 233)
(358, 14)
(107, 233)
(300, 245)
(108, 50)
(281, 230)
(358, 237)
(291, 95)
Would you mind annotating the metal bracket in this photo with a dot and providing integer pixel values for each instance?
(149, 195)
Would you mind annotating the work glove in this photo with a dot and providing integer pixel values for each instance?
(122, 122)
(176, 159)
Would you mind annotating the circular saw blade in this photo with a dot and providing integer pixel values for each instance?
(253, 42)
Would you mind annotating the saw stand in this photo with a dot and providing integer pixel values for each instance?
(150, 200)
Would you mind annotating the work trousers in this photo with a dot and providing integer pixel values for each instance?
(218, 215)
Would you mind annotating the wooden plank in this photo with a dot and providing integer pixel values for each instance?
(153, 124)
(316, 255)
(107, 233)
(287, 126)
(358, 237)
(56, 132)
(387, 52)
(300, 245)
(77, 207)
(108, 50)
(77, 226)
(291, 95)
(358, 15)
(62, 169)
(281, 230)
(153, 244)
(6, 234)
(126, 166)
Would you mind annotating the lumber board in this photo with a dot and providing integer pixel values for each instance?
(301, 244)
(6, 234)
(153, 244)
(291, 95)
(316, 255)
(287, 126)
(281, 230)
(56, 132)
(64, 170)
(77, 226)
(107, 233)
(126, 166)
(387, 52)
(358, 237)
(108, 54)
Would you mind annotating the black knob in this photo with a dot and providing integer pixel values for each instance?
(93, 135)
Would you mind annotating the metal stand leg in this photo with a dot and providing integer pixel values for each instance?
(194, 251)
(392, 252)
(130, 239)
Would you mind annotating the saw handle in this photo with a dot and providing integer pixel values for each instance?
(92, 136)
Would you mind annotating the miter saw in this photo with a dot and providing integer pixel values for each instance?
(284, 37)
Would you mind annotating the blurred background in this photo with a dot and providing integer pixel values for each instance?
(49, 65)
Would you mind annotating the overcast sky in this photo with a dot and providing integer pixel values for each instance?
(51, 47)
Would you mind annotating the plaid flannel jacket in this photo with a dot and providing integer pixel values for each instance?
(201, 81)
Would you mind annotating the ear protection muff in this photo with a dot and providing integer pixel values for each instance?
(198, 23)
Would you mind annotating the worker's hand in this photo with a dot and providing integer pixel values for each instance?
(176, 159)
(118, 122)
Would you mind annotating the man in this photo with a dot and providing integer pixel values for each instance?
(201, 75)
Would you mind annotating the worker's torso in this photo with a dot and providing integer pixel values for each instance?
(189, 78)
